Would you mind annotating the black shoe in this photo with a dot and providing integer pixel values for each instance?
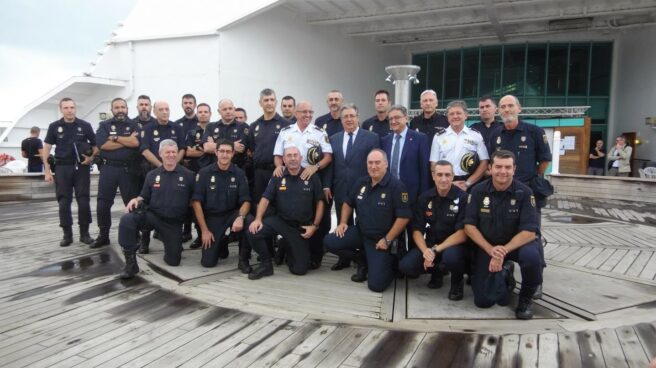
(457, 291)
(538, 292)
(436, 281)
(66, 241)
(244, 266)
(224, 252)
(86, 239)
(340, 265)
(186, 237)
(263, 269)
(524, 309)
(99, 242)
(360, 275)
(279, 258)
(144, 246)
(197, 243)
(315, 264)
(131, 266)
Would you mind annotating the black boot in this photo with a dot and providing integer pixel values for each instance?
(525, 305)
(244, 260)
(265, 268)
(457, 291)
(102, 239)
(361, 262)
(84, 234)
(131, 266)
(538, 292)
(436, 280)
(145, 242)
(68, 237)
(340, 265)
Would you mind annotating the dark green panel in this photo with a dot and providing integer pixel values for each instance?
(452, 75)
(490, 78)
(513, 69)
(557, 75)
(469, 73)
(598, 108)
(436, 67)
(535, 71)
(579, 56)
(420, 60)
(600, 69)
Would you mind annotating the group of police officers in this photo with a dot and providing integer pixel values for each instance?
(270, 185)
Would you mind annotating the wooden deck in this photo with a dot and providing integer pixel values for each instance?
(64, 307)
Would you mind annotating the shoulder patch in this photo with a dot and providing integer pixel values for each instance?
(544, 137)
(197, 177)
(285, 128)
(404, 197)
(532, 201)
(469, 197)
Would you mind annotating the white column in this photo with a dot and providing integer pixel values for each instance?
(555, 154)
(401, 76)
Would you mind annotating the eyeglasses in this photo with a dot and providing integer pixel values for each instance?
(303, 112)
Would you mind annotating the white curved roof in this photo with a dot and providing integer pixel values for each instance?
(156, 19)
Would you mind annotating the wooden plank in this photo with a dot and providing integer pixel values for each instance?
(613, 260)
(647, 336)
(437, 350)
(346, 347)
(633, 352)
(528, 350)
(569, 354)
(562, 256)
(371, 340)
(305, 347)
(548, 350)
(507, 352)
(486, 351)
(611, 348)
(330, 343)
(626, 261)
(590, 348)
(600, 259)
(583, 261)
(650, 268)
(392, 348)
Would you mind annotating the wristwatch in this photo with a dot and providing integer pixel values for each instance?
(468, 184)
(318, 166)
(387, 242)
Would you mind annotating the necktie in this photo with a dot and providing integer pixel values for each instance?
(395, 156)
(349, 145)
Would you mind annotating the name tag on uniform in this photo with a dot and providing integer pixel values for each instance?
(485, 210)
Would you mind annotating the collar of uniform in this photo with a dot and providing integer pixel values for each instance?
(177, 169)
(464, 130)
(74, 121)
(276, 117)
(383, 183)
(521, 126)
(168, 124)
(233, 122)
(510, 189)
(185, 118)
(216, 168)
(453, 192)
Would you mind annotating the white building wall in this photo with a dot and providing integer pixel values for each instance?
(278, 50)
(635, 89)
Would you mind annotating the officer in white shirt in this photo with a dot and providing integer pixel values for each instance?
(463, 147)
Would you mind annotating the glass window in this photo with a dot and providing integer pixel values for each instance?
(535, 70)
(452, 75)
(513, 69)
(470, 73)
(420, 60)
(435, 70)
(578, 70)
(600, 69)
(557, 70)
(490, 78)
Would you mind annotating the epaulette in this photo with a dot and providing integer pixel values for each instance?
(285, 128)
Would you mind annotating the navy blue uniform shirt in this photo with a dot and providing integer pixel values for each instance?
(221, 192)
(31, 146)
(64, 135)
(113, 128)
(330, 125)
(499, 216)
(167, 193)
(435, 124)
(187, 124)
(235, 131)
(379, 127)
(153, 134)
(262, 136)
(439, 217)
(142, 123)
(194, 141)
(529, 144)
(293, 198)
(379, 206)
(487, 133)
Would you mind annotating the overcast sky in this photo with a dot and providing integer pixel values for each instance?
(44, 42)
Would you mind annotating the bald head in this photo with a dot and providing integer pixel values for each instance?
(162, 111)
(227, 110)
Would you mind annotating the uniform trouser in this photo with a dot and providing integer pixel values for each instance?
(112, 177)
(35, 168)
(339, 202)
(380, 263)
(261, 180)
(218, 226)
(316, 242)
(454, 259)
(528, 258)
(67, 179)
(298, 249)
(170, 234)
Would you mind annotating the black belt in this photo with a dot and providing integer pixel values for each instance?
(265, 166)
(61, 161)
(118, 163)
(461, 177)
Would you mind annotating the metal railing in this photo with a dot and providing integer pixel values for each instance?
(535, 112)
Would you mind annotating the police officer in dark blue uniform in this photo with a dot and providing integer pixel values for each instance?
(143, 119)
(262, 136)
(438, 215)
(165, 197)
(379, 123)
(32, 150)
(331, 122)
(119, 151)
(189, 120)
(287, 105)
(227, 128)
(531, 148)
(381, 205)
(429, 122)
(221, 201)
(74, 153)
(299, 206)
(487, 110)
(151, 137)
(501, 219)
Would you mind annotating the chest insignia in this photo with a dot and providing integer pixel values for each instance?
(232, 179)
(382, 195)
(60, 130)
(523, 138)
(371, 128)
(113, 127)
(155, 133)
(499, 140)
(180, 178)
(257, 127)
(486, 201)
(513, 202)
(430, 205)
(157, 179)
(277, 126)
(79, 129)
(246, 131)
(212, 179)
(197, 135)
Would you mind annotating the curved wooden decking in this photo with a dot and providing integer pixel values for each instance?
(64, 307)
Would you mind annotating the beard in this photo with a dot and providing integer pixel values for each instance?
(509, 118)
(120, 116)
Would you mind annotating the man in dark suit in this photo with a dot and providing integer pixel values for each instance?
(350, 150)
(409, 152)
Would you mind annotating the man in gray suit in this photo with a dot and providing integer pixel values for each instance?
(350, 150)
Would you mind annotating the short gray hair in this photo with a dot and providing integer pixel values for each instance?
(381, 152)
(457, 103)
(267, 92)
(400, 108)
(166, 143)
(428, 91)
(347, 107)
